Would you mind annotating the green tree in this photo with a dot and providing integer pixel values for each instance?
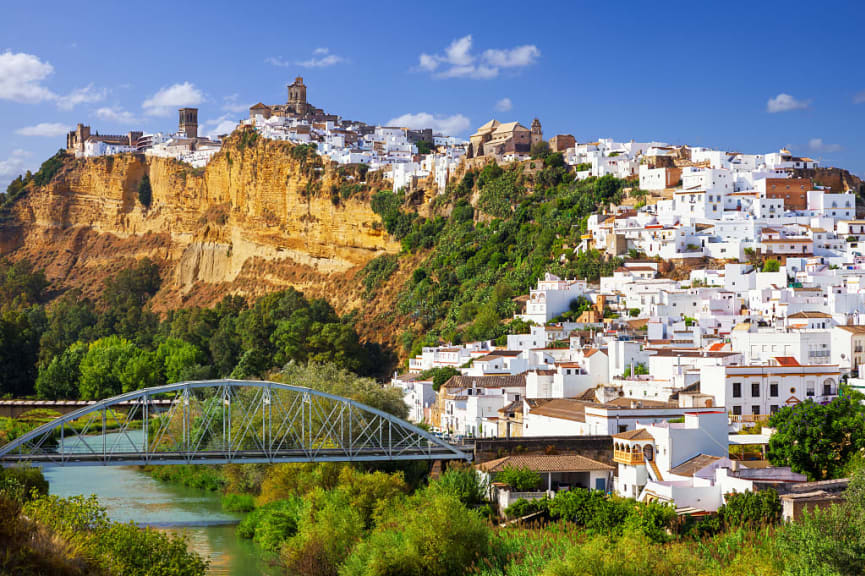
(520, 479)
(71, 318)
(125, 296)
(439, 375)
(462, 483)
(539, 150)
(58, 380)
(818, 440)
(181, 360)
(145, 192)
(425, 535)
(104, 370)
(20, 331)
(751, 509)
(771, 265)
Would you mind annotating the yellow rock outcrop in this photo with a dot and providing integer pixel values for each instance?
(258, 218)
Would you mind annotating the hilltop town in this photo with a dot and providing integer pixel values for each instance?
(717, 288)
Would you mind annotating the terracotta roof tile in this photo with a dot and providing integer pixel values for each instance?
(546, 463)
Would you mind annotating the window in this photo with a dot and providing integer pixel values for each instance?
(773, 409)
(737, 410)
(773, 389)
(755, 409)
(737, 389)
(755, 390)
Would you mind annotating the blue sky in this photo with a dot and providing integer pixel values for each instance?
(745, 76)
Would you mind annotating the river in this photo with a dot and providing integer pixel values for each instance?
(129, 494)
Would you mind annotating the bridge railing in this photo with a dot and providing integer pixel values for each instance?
(225, 421)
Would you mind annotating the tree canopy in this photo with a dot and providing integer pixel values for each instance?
(819, 440)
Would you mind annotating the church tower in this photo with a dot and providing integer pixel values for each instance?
(297, 97)
(537, 133)
(189, 122)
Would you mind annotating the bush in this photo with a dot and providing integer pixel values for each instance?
(439, 375)
(523, 507)
(145, 192)
(113, 548)
(426, 535)
(464, 484)
(520, 479)
(238, 502)
(771, 265)
(272, 524)
(751, 509)
(377, 271)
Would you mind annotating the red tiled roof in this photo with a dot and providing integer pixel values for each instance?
(546, 463)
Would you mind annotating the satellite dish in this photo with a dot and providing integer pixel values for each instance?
(649, 452)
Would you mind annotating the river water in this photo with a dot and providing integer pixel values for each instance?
(129, 494)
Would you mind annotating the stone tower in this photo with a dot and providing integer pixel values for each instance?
(189, 122)
(537, 133)
(297, 97)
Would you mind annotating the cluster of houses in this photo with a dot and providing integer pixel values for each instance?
(184, 145)
(406, 156)
(678, 372)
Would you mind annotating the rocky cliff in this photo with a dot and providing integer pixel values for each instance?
(263, 215)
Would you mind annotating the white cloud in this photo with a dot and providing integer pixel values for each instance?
(457, 60)
(513, 58)
(784, 103)
(17, 163)
(46, 129)
(817, 145)
(85, 95)
(321, 58)
(859, 98)
(21, 77)
(117, 115)
(169, 99)
(278, 62)
(447, 125)
(231, 103)
(504, 105)
(220, 126)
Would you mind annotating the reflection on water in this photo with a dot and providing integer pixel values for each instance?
(129, 494)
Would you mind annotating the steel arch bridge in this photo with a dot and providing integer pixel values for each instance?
(224, 421)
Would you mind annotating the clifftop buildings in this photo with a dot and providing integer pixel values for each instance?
(495, 139)
(296, 106)
(77, 141)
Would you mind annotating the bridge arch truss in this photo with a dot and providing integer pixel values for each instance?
(225, 421)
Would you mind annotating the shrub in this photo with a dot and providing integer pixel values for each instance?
(520, 479)
(523, 507)
(426, 535)
(464, 484)
(145, 192)
(238, 502)
(751, 509)
(272, 524)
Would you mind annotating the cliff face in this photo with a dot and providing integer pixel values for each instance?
(259, 218)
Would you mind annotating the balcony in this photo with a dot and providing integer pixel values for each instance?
(631, 458)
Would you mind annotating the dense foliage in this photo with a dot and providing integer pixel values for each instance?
(819, 440)
(526, 224)
(41, 534)
(74, 347)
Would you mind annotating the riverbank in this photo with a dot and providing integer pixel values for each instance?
(130, 494)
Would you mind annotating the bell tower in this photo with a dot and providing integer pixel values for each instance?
(297, 96)
(189, 122)
(537, 133)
